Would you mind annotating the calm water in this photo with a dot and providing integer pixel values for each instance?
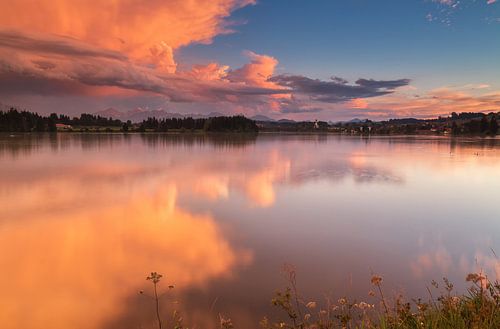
(84, 219)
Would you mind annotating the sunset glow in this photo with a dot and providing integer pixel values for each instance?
(242, 164)
(198, 57)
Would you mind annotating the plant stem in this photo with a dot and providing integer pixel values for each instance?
(157, 307)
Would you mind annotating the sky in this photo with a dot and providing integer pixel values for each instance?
(303, 60)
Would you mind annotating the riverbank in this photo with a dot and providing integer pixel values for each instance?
(478, 308)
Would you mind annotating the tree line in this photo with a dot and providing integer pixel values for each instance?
(466, 123)
(14, 120)
(237, 123)
(485, 126)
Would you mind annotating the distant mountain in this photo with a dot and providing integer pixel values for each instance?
(355, 120)
(140, 114)
(286, 121)
(110, 113)
(260, 117)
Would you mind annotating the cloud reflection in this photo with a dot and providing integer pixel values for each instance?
(79, 265)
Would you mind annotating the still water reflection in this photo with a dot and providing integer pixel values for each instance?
(84, 218)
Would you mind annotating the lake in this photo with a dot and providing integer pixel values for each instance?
(85, 218)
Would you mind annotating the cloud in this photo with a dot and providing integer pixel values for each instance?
(210, 72)
(128, 26)
(54, 45)
(57, 65)
(139, 231)
(440, 101)
(446, 2)
(101, 51)
(257, 72)
(336, 90)
(490, 2)
(383, 84)
(162, 55)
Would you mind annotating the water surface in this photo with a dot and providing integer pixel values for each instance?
(84, 219)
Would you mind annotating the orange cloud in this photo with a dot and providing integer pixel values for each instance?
(31, 63)
(81, 265)
(209, 72)
(260, 186)
(440, 101)
(133, 27)
(358, 103)
(257, 72)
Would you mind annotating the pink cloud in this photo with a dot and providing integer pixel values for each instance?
(257, 72)
(50, 63)
(210, 72)
(440, 101)
(141, 31)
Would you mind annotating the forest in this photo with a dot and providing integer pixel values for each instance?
(14, 120)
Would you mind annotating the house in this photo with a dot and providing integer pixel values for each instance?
(62, 126)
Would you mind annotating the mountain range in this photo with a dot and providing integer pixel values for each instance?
(140, 114)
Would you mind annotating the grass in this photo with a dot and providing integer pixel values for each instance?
(478, 308)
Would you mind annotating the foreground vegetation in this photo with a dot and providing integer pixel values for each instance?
(478, 308)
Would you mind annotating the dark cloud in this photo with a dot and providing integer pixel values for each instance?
(292, 109)
(383, 84)
(53, 45)
(15, 83)
(339, 80)
(337, 90)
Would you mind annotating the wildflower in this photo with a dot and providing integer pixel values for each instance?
(478, 278)
(455, 300)
(422, 307)
(371, 293)
(154, 277)
(472, 277)
(364, 306)
(311, 305)
(323, 312)
(307, 317)
(376, 280)
(342, 301)
(225, 323)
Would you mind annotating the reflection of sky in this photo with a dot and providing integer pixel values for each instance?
(91, 215)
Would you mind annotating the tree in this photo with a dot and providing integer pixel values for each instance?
(454, 128)
(125, 126)
(493, 126)
(484, 125)
(52, 125)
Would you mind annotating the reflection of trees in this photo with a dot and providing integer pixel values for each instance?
(17, 144)
(23, 144)
(218, 140)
